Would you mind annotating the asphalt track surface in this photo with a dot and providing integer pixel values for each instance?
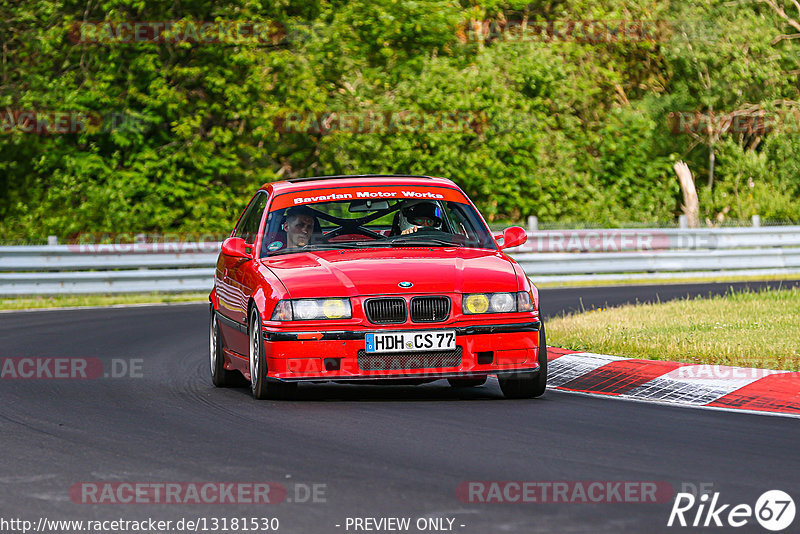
(379, 451)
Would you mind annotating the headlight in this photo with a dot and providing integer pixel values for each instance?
(476, 303)
(502, 303)
(312, 309)
(336, 308)
(305, 310)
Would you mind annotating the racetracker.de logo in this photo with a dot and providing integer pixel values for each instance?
(129, 243)
(722, 372)
(741, 122)
(381, 122)
(580, 31)
(177, 31)
(596, 241)
(177, 493)
(51, 122)
(565, 491)
(69, 368)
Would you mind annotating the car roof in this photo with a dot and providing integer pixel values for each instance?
(321, 182)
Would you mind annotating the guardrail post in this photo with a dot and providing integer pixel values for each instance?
(52, 240)
(756, 221)
(683, 221)
(533, 223)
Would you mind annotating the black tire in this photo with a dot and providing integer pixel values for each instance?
(261, 386)
(467, 382)
(220, 377)
(528, 385)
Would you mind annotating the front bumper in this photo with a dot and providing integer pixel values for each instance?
(333, 355)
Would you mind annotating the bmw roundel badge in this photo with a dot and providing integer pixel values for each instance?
(405, 284)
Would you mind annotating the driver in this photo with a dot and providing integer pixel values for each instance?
(422, 214)
(299, 226)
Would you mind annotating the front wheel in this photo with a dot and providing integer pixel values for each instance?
(261, 387)
(221, 377)
(528, 385)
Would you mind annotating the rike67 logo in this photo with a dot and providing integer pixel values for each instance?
(774, 510)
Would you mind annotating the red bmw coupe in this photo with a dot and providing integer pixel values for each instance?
(381, 278)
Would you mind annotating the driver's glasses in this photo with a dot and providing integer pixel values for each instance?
(422, 221)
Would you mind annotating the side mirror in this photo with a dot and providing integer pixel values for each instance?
(513, 237)
(237, 248)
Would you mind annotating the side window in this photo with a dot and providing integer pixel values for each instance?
(247, 228)
(464, 222)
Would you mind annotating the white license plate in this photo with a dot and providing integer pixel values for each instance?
(411, 341)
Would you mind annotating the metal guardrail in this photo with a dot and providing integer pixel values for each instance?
(127, 281)
(72, 258)
(620, 240)
(555, 255)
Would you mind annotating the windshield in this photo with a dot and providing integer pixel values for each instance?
(365, 223)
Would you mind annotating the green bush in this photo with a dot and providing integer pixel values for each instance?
(562, 129)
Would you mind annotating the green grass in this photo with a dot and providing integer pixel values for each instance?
(65, 301)
(633, 280)
(742, 329)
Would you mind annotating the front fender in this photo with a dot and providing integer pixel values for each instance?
(269, 291)
(263, 303)
(526, 284)
(212, 298)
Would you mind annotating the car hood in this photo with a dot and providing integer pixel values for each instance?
(347, 273)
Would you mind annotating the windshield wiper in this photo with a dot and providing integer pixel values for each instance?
(353, 244)
(423, 242)
(331, 246)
